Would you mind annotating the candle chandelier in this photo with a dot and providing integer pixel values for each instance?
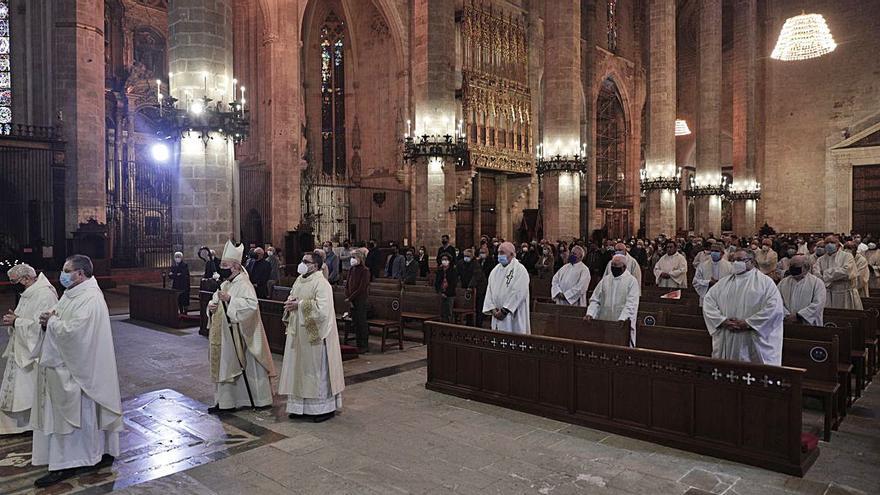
(803, 37)
(697, 188)
(561, 163)
(435, 144)
(670, 182)
(203, 116)
(748, 191)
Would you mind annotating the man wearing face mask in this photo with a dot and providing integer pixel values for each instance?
(20, 376)
(813, 259)
(241, 362)
(802, 293)
(838, 271)
(711, 271)
(410, 268)
(179, 274)
(331, 261)
(395, 264)
(766, 259)
(616, 297)
(632, 266)
(211, 265)
(356, 290)
(704, 254)
(528, 258)
(274, 266)
(507, 296)
(77, 412)
(345, 259)
(445, 282)
(639, 254)
(671, 270)
(311, 374)
(744, 314)
(570, 284)
(445, 248)
(259, 273)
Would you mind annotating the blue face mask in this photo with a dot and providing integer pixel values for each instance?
(66, 279)
(622, 253)
(467, 259)
(716, 256)
(502, 258)
(830, 248)
(573, 259)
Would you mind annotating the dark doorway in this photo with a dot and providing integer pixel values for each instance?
(866, 199)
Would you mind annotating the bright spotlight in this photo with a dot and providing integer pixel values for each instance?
(160, 152)
(197, 107)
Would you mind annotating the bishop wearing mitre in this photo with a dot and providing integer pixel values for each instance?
(311, 375)
(77, 411)
(241, 362)
(20, 377)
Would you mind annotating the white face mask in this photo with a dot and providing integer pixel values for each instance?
(354, 262)
(445, 262)
(178, 260)
(740, 267)
(302, 268)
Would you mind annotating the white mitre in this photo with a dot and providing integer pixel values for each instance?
(232, 253)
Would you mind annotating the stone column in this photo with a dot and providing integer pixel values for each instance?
(660, 155)
(477, 199)
(562, 116)
(204, 205)
(503, 225)
(745, 42)
(78, 94)
(433, 82)
(708, 208)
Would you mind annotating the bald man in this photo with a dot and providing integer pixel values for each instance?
(507, 295)
(838, 271)
(616, 298)
(571, 282)
(632, 266)
(803, 293)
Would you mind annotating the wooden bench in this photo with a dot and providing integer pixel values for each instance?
(738, 411)
(271, 313)
(384, 313)
(819, 381)
(419, 307)
(576, 328)
(156, 305)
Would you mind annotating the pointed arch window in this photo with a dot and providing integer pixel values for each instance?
(333, 96)
(610, 148)
(5, 65)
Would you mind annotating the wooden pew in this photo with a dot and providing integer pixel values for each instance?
(464, 309)
(155, 305)
(419, 307)
(737, 411)
(542, 307)
(384, 314)
(576, 328)
(821, 378)
(857, 321)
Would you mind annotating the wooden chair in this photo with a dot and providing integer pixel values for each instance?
(385, 316)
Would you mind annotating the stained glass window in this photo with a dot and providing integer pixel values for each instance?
(612, 26)
(332, 96)
(5, 65)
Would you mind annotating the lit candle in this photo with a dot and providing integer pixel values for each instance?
(205, 75)
(242, 98)
(234, 84)
(159, 88)
(408, 127)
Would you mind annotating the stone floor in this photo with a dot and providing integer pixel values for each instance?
(394, 436)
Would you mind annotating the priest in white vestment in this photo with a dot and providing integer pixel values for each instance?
(20, 376)
(873, 257)
(711, 271)
(632, 266)
(616, 297)
(863, 272)
(77, 411)
(744, 314)
(507, 295)
(813, 259)
(802, 293)
(311, 375)
(671, 269)
(838, 271)
(241, 362)
(571, 282)
(704, 254)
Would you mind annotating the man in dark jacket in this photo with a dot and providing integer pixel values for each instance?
(445, 282)
(212, 265)
(410, 268)
(356, 290)
(179, 274)
(471, 276)
(374, 260)
(259, 273)
(445, 248)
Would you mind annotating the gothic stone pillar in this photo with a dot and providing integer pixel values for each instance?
(745, 42)
(708, 208)
(204, 203)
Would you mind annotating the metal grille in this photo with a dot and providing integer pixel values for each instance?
(30, 218)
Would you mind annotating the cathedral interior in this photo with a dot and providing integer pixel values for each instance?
(134, 129)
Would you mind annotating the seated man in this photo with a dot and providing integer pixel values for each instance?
(570, 284)
(616, 298)
(744, 314)
(803, 293)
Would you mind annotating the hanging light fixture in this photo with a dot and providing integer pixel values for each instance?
(803, 37)
(681, 127)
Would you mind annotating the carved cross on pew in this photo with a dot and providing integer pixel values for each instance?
(494, 342)
(522, 346)
(504, 343)
(716, 374)
(766, 381)
(748, 378)
(731, 376)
